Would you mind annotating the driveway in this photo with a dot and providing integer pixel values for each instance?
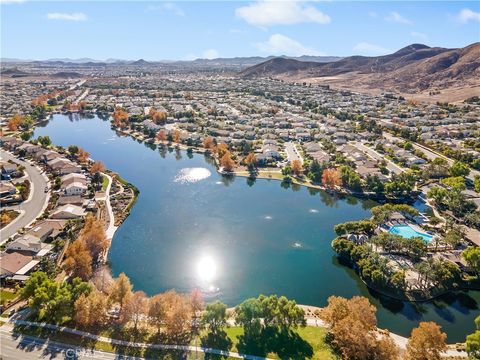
(33, 206)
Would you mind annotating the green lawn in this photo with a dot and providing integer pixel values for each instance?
(6, 295)
(104, 183)
(315, 336)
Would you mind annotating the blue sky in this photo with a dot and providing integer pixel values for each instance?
(185, 30)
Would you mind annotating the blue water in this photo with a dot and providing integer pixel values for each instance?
(237, 239)
(408, 232)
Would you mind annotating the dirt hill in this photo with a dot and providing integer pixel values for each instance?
(411, 69)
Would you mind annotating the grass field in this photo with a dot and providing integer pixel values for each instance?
(104, 183)
(6, 296)
(315, 336)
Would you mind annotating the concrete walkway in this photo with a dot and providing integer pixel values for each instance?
(188, 348)
(111, 218)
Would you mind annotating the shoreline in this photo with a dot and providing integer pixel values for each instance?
(246, 174)
(202, 151)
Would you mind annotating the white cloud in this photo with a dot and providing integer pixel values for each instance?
(279, 44)
(466, 15)
(167, 7)
(268, 12)
(372, 14)
(397, 18)
(419, 35)
(174, 8)
(11, 1)
(365, 48)
(210, 54)
(67, 17)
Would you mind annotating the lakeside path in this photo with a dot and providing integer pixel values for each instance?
(110, 231)
(36, 203)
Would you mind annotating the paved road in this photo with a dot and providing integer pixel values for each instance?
(17, 346)
(430, 154)
(292, 152)
(391, 166)
(31, 208)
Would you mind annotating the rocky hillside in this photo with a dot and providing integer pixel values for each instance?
(414, 67)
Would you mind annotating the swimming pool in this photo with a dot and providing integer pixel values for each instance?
(408, 232)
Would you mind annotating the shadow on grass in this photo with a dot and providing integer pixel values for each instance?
(287, 344)
(139, 335)
(164, 339)
(216, 340)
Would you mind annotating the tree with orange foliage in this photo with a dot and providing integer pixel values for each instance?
(121, 290)
(134, 308)
(353, 324)
(179, 314)
(82, 105)
(176, 136)
(427, 341)
(97, 167)
(157, 312)
(208, 143)
(297, 167)
(161, 136)
(120, 118)
(15, 122)
(94, 236)
(91, 309)
(82, 155)
(221, 149)
(331, 178)
(152, 111)
(227, 162)
(78, 260)
(159, 117)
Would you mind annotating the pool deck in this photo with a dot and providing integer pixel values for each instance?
(424, 234)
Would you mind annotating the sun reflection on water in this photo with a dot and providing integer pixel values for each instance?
(191, 175)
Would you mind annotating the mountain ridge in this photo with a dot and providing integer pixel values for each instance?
(414, 67)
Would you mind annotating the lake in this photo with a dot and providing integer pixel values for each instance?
(192, 228)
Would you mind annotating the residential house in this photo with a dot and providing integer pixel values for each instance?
(29, 245)
(48, 229)
(14, 265)
(68, 212)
